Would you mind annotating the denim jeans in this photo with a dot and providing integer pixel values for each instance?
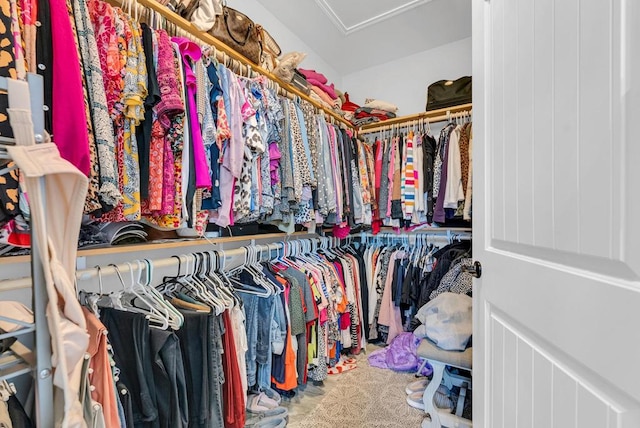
(216, 374)
(258, 315)
(264, 368)
(250, 304)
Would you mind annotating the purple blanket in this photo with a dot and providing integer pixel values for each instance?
(400, 355)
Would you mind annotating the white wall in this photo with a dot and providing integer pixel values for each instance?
(287, 40)
(404, 82)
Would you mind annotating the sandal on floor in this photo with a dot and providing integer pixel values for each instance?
(417, 386)
(260, 403)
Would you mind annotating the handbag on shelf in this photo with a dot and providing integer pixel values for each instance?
(449, 93)
(270, 50)
(240, 33)
(184, 8)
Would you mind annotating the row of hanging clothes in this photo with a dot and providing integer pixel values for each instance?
(404, 272)
(173, 138)
(201, 346)
(421, 179)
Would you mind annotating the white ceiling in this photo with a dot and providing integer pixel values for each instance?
(352, 35)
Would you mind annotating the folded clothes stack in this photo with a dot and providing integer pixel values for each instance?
(374, 111)
(321, 90)
(15, 237)
(349, 108)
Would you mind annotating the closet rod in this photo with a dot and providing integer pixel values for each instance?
(105, 278)
(286, 89)
(433, 116)
(462, 233)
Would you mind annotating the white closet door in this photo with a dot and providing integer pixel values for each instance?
(557, 213)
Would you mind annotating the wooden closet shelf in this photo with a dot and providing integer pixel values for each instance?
(168, 244)
(433, 116)
(286, 88)
(439, 230)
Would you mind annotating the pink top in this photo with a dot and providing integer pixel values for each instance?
(190, 54)
(392, 160)
(312, 74)
(238, 111)
(327, 89)
(171, 102)
(389, 312)
(70, 124)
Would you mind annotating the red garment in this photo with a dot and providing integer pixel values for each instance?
(233, 396)
(348, 105)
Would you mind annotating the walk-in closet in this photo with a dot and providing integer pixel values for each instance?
(312, 214)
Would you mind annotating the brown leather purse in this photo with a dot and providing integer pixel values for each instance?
(240, 33)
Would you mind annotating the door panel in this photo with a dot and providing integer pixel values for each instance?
(542, 140)
(524, 123)
(556, 208)
(566, 93)
(542, 392)
(525, 385)
(540, 389)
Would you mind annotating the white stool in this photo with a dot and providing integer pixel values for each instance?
(439, 360)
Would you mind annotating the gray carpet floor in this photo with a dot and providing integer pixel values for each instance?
(363, 397)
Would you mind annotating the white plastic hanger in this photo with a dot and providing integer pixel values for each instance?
(118, 301)
(156, 311)
(175, 317)
(264, 288)
(200, 289)
(214, 286)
